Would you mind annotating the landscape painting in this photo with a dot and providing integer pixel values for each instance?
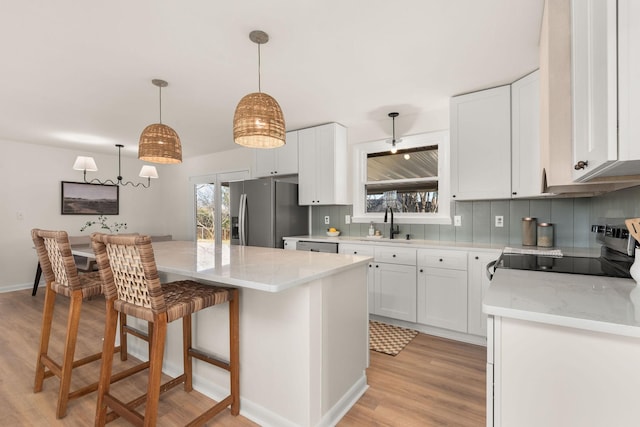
(89, 199)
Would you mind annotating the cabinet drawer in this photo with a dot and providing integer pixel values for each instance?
(354, 249)
(395, 255)
(454, 260)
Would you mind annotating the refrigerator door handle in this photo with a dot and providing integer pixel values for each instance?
(243, 219)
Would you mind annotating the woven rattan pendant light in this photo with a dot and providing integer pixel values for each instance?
(159, 143)
(258, 121)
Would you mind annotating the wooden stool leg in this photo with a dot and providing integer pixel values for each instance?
(234, 354)
(123, 337)
(110, 330)
(73, 322)
(155, 370)
(45, 334)
(186, 355)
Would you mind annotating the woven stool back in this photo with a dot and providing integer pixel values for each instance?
(56, 259)
(129, 275)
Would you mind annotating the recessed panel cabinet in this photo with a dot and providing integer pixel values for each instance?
(478, 282)
(322, 161)
(442, 289)
(277, 161)
(481, 145)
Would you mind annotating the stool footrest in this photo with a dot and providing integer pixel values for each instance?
(219, 407)
(206, 357)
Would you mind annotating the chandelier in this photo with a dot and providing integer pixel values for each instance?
(85, 164)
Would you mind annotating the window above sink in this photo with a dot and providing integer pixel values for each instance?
(413, 181)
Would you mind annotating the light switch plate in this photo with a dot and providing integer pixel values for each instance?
(327, 220)
(457, 221)
(347, 219)
(499, 221)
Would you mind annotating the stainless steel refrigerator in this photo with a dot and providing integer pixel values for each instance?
(265, 210)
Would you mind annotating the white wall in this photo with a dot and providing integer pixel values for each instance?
(31, 175)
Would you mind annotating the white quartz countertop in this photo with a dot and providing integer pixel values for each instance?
(425, 244)
(595, 303)
(264, 269)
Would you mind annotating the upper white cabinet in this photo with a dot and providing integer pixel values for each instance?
(594, 81)
(526, 172)
(322, 155)
(481, 145)
(277, 161)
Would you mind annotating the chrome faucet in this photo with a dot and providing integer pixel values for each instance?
(392, 231)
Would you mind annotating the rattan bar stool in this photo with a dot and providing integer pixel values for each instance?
(131, 286)
(62, 277)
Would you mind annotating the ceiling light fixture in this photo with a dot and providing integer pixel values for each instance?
(394, 141)
(158, 142)
(85, 164)
(258, 121)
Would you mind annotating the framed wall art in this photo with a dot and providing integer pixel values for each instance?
(79, 198)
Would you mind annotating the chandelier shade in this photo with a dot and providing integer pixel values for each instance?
(258, 122)
(160, 144)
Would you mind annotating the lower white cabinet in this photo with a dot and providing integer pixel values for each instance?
(394, 291)
(478, 283)
(442, 291)
(290, 245)
(392, 279)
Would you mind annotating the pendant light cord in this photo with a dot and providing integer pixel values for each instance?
(259, 86)
(160, 96)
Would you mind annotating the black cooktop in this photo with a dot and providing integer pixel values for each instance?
(566, 264)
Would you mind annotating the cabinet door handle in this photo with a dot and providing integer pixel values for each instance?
(477, 258)
(440, 259)
(581, 165)
(514, 193)
(394, 255)
(355, 252)
(421, 270)
(454, 196)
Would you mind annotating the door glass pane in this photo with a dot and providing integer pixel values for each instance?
(225, 217)
(205, 211)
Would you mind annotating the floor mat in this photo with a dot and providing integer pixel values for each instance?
(389, 339)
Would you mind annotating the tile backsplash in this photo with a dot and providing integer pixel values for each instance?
(571, 217)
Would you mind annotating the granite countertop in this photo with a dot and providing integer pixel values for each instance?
(264, 269)
(594, 303)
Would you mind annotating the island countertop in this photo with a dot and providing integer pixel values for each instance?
(263, 269)
(595, 303)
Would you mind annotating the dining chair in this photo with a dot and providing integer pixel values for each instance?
(132, 286)
(62, 278)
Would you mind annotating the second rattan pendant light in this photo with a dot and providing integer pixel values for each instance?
(158, 142)
(258, 121)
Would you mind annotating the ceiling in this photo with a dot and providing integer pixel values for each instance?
(77, 74)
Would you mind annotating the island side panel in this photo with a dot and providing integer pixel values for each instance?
(558, 376)
(345, 331)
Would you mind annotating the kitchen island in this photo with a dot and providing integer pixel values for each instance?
(303, 329)
(562, 350)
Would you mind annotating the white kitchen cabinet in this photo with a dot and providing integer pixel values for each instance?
(290, 245)
(277, 161)
(442, 289)
(364, 250)
(394, 283)
(594, 85)
(526, 172)
(481, 145)
(322, 155)
(478, 283)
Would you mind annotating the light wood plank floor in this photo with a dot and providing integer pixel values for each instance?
(432, 382)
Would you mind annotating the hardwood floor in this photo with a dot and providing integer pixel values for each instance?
(432, 382)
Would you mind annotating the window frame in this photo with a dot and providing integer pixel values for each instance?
(360, 152)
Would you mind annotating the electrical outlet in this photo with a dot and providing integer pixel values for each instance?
(499, 221)
(326, 220)
(457, 221)
(347, 219)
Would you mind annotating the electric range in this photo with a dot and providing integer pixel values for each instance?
(615, 258)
